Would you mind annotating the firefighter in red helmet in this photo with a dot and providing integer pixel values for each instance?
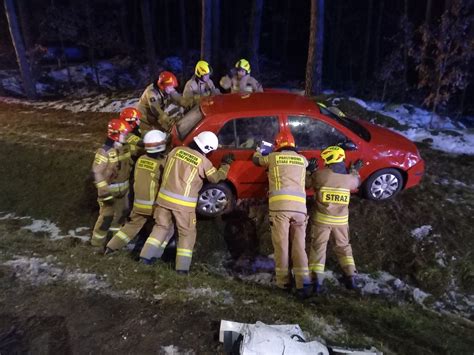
(288, 215)
(111, 170)
(155, 100)
(133, 117)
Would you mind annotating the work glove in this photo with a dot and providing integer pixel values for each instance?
(312, 165)
(357, 165)
(228, 159)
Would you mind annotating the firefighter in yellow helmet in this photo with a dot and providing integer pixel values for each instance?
(111, 170)
(148, 171)
(240, 79)
(288, 215)
(200, 84)
(155, 100)
(332, 186)
(185, 170)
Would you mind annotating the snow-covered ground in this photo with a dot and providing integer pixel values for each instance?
(416, 123)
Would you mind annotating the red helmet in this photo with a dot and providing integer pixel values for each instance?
(118, 129)
(131, 115)
(284, 139)
(167, 79)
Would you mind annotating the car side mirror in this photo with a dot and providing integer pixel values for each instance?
(348, 145)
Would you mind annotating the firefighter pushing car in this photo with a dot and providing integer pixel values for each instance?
(148, 172)
(288, 215)
(185, 170)
(332, 185)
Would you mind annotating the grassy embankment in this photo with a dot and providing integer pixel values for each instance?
(46, 178)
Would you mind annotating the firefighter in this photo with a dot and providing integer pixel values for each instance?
(240, 80)
(332, 185)
(154, 101)
(148, 171)
(185, 170)
(288, 215)
(200, 84)
(111, 169)
(132, 116)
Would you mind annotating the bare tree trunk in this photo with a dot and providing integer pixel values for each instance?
(206, 30)
(254, 34)
(28, 82)
(184, 38)
(166, 19)
(405, 52)
(149, 43)
(336, 43)
(216, 34)
(429, 4)
(125, 24)
(66, 62)
(91, 35)
(285, 36)
(313, 82)
(378, 34)
(368, 32)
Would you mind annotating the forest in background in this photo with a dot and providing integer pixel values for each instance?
(407, 51)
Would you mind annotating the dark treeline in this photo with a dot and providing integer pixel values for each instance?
(418, 51)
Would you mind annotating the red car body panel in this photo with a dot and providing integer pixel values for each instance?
(386, 149)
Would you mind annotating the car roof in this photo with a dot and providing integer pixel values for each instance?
(264, 102)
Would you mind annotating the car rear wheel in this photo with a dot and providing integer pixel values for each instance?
(383, 184)
(215, 200)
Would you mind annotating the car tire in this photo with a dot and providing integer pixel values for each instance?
(215, 200)
(384, 184)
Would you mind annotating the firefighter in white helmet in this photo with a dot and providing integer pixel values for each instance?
(111, 169)
(240, 79)
(332, 185)
(200, 84)
(185, 170)
(148, 172)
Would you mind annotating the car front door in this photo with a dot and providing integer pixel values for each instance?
(240, 137)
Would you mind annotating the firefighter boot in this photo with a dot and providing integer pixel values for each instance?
(349, 282)
(148, 261)
(305, 292)
(318, 288)
(109, 251)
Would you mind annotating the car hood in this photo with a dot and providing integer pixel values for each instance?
(388, 145)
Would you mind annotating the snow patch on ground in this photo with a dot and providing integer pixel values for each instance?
(421, 233)
(210, 294)
(174, 350)
(47, 227)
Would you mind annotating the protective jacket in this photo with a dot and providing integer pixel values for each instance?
(183, 177)
(286, 178)
(245, 84)
(152, 105)
(147, 179)
(111, 169)
(196, 88)
(333, 196)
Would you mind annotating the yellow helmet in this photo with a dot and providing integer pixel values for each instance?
(202, 68)
(333, 155)
(243, 64)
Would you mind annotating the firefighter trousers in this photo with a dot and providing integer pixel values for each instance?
(320, 236)
(129, 231)
(186, 225)
(112, 214)
(288, 238)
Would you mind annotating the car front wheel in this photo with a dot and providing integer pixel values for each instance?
(215, 200)
(383, 184)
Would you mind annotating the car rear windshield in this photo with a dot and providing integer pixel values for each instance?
(347, 122)
(188, 122)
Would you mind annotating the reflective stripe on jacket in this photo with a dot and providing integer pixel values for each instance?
(286, 180)
(333, 193)
(147, 175)
(183, 176)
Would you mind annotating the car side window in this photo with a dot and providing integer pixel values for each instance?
(247, 132)
(311, 133)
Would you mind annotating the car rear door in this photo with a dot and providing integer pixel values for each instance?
(240, 136)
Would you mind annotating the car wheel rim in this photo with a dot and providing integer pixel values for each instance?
(384, 186)
(212, 201)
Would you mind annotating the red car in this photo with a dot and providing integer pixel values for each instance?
(241, 121)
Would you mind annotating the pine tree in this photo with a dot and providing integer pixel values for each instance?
(445, 54)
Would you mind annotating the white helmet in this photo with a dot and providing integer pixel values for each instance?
(206, 141)
(155, 141)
